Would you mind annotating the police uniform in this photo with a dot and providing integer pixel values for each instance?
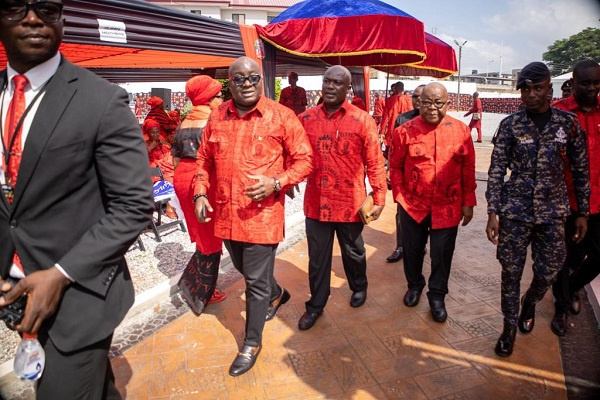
(533, 203)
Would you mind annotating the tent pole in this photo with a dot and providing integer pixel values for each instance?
(387, 81)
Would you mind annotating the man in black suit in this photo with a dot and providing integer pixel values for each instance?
(82, 196)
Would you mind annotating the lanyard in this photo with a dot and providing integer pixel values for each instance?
(7, 150)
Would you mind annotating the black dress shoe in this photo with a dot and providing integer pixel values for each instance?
(575, 303)
(438, 310)
(396, 255)
(559, 323)
(244, 360)
(283, 298)
(358, 298)
(411, 298)
(308, 320)
(527, 318)
(506, 341)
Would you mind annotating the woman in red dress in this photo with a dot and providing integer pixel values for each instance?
(199, 279)
(477, 112)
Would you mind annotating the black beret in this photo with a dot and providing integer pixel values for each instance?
(534, 72)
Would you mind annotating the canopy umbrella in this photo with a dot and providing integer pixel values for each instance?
(348, 32)
(440, 62)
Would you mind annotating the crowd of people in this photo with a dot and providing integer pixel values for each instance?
(75, 148)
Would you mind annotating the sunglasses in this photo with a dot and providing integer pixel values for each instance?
(15, 10)
(241, 80)
(437, 104)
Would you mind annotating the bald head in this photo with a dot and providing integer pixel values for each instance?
(245, 83)
(434, 103)
(336, 84)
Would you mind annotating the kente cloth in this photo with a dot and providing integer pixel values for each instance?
(268, 140)
(590, 122)
(432, 170)
(344, 144)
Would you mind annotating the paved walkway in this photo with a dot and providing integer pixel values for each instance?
(382, 350)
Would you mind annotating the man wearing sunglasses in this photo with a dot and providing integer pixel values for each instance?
(432, 169)
(254, 148)
(76, 192)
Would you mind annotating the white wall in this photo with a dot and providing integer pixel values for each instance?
(252, 16)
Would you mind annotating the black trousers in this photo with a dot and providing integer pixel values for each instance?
(414, 237)
(320, 248)
(582, 264)
(80, 374)
(256, 262)
(398, 229)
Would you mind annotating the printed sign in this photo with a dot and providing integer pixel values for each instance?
(112, 31)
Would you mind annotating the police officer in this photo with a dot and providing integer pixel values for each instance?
(534, 144)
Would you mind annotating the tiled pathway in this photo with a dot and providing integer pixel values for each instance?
(382, 350)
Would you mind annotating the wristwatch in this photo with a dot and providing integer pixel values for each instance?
(276, 185)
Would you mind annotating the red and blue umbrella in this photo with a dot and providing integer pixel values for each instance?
(440, 62)
(348, 32)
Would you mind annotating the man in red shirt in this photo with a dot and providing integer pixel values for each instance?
(398, 104)
(432, 170)
(379, 107)
(293, 96)
(344, 142)
(255, 148)
(583, 258)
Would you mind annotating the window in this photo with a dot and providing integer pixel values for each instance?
(239, 18)
(270, 18)
(199, 12)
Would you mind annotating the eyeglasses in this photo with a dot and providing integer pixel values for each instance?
(219, 96)
(16, 10)
(437, 104)
(241, 80)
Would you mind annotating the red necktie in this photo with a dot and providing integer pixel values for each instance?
(14, 114)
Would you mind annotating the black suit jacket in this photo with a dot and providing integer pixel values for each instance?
(82, 197)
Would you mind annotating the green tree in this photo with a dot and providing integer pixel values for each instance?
(564, 53)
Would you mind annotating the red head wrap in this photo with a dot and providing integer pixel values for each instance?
(148, 125)
(201, 88)
(155, 101)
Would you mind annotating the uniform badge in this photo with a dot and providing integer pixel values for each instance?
(561, 136)
(527, 139)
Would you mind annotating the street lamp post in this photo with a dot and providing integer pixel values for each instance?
(460, 46)
(487, 71)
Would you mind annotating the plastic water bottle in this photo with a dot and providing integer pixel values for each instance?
(30, 358)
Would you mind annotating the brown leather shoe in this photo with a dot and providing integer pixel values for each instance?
(245, 360)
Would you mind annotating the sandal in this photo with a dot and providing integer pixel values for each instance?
(217, 296)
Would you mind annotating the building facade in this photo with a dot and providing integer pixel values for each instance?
(247, 12)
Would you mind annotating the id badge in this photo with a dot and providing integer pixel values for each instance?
(8, 192)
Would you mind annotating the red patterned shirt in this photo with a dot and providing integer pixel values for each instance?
(343, 143)
(432, 170)
(268, 140)
(590, 122)
(294, 98)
